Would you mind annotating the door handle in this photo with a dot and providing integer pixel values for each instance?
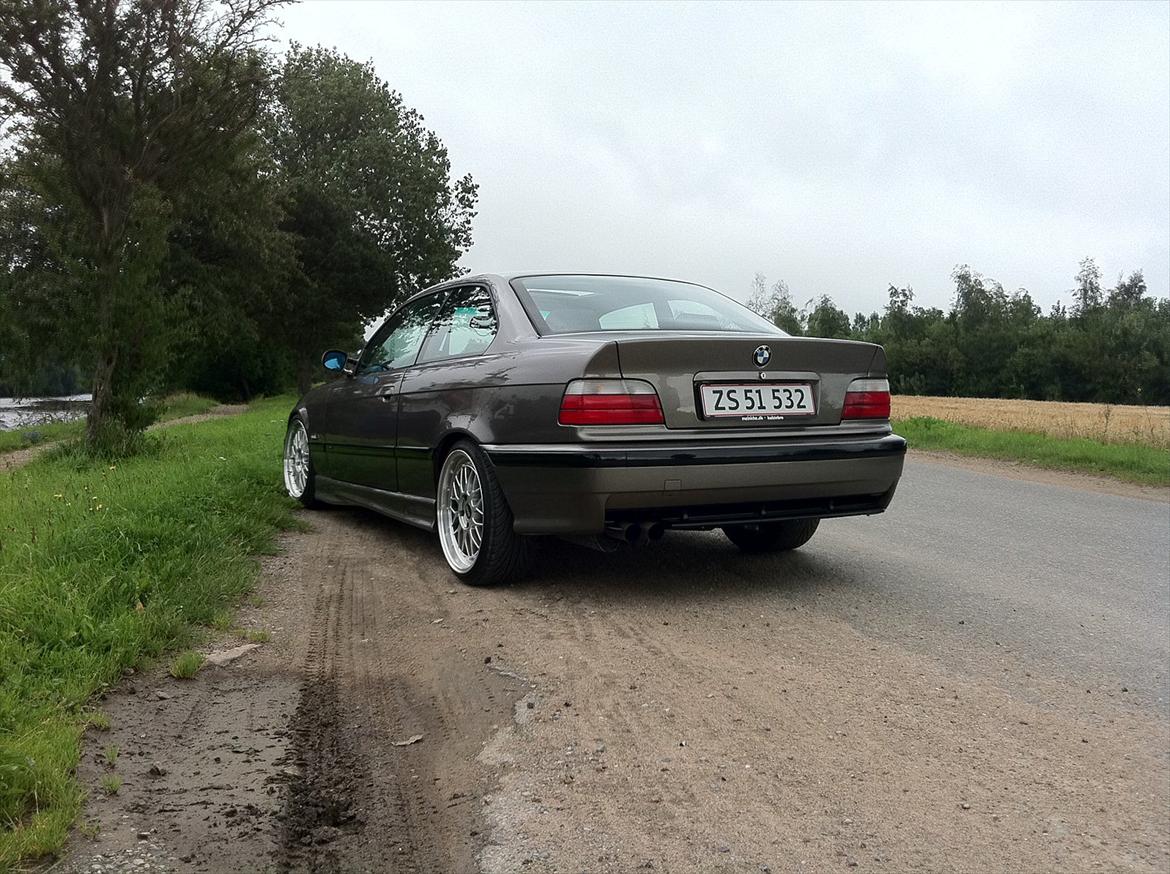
(386, 397)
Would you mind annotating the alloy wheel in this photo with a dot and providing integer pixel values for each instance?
(296, 460)
(460, 517)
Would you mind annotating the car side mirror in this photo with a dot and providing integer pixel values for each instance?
(335, 360)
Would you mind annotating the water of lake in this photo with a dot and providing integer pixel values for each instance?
(29, 412)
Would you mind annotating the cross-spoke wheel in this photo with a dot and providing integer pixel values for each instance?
(298, 464)
(475, 524)
(460, 511)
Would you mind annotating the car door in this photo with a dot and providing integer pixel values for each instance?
(362, 415)
(438, 391)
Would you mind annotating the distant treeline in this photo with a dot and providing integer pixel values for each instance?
(1106, 345)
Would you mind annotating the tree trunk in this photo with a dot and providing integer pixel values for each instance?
(103, 392)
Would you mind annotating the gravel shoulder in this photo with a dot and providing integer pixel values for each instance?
(678, 708)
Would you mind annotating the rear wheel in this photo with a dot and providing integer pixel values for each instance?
(299, 478)
(772, 536)
(475, 522)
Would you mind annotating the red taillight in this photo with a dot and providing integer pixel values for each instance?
(610, 402)
(867, 399)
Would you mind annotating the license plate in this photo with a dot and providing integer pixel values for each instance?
(758, 401)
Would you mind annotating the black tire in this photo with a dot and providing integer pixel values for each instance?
(772, 536)
(503, 555)
(308, 495)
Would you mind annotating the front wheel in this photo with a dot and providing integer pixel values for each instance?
(299, 478)
(772, 536)
(475, 522)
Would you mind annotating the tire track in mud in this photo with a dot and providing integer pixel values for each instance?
(381, 668)
(320, 804)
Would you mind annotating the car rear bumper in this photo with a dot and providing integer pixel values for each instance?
(579, 488)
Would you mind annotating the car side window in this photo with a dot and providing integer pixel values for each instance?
(397, 342)
(466, 326)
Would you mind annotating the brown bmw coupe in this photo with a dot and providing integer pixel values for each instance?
(605, 409)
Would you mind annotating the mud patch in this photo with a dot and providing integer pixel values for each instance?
(320, 803)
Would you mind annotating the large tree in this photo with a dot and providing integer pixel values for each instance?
(371, 204)
(118, 112)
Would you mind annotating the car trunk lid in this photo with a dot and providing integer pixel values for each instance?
(678, 365)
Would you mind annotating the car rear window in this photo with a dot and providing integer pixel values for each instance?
(570, 304)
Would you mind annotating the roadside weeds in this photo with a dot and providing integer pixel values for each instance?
(103, 567)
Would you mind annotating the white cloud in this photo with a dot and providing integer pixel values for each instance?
(839, 146)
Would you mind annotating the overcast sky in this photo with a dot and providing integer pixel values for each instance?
(839, 147)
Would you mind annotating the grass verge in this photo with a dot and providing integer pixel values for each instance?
(175, 406)
(104, 566)
(1149, 465)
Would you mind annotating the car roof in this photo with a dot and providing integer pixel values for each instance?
(506, 278)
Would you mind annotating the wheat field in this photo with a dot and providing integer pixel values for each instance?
(1109, 423)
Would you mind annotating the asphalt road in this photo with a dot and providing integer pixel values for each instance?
(1002, 577)
(975, 681)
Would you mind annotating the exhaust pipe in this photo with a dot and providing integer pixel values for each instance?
(631, 533)
(635, 533)
(615, 535)
(601, 544)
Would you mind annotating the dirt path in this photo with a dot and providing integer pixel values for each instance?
(20, 457)
(682, 708)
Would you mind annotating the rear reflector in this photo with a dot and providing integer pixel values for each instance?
(867, 399)
(610, 402)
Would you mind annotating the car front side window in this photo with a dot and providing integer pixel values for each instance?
(397, 342)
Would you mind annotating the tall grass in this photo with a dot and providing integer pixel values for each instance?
(103, 566)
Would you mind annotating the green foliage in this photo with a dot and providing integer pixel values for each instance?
(103, 567)
(1112, 346)
(231, 263)
(223, 264)
(119, 115)
(186, 665)
(371, 206)
(827, 320)
(1129, 461)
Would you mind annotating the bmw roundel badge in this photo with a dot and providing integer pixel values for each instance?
(762, 355)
